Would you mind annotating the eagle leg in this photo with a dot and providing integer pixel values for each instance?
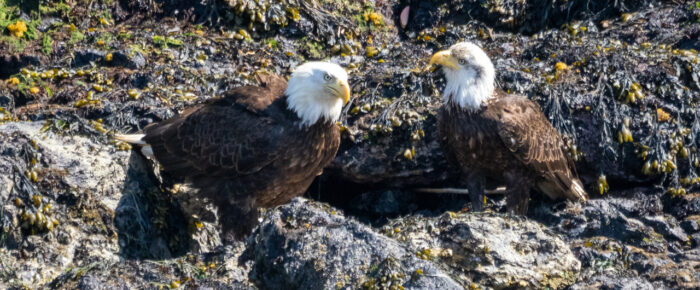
(517, 193)
(476, 187)
(237, 221)
(237, 211)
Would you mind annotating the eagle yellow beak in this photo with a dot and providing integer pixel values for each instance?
(444, 58)
(343, 89)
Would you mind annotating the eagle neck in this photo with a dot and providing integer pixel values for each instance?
(469, 88)
(311, 110)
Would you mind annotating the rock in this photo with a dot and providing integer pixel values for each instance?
(696, 239)
(193, 272)
(78, 205)
(691, 224)
(12, 63)
(75, 212)
(40, 174)
(623, 235)
(686, 205)
(615, 282)
(605, 218)
(667, 226)
(6, 101)
(489, 250)
(309, 245)
(86, 56)
(127, 58)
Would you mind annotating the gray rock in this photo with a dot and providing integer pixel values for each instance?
(491, 250)
(127, 58)
(691, 224)
(617, 283)
(309, 245)
(86, 56)
(609, 218)
(12, 63)
(105, 207)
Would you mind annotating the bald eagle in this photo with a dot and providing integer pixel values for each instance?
(257, 146)
(489, 134)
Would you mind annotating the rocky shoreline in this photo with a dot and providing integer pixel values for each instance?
(79, 210)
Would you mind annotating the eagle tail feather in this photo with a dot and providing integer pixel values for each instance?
(576, 191)
(136, 139)
(148, 151)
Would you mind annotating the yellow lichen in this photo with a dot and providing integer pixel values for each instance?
(373, 17)
(662, 116)
(98, 126)
(560, 66)
(133, 93)
(123, 146)
(17, 29)
(13, 81)
(244, 33)
(36, 199)
(626, 16)
(371, 51)
(34, 90)
(675, 192)
(409, 153)
(293, 13)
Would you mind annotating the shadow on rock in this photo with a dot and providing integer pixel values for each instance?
(149, 222)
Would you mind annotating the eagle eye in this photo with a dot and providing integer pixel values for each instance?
(327, 77)
(462, 61)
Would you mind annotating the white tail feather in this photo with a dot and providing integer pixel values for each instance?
(148, 151)
(578, 191)
(131, 138)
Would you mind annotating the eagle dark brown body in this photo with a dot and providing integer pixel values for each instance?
(508, 140)
(243, 151)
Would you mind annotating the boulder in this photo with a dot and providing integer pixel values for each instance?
(310, 245)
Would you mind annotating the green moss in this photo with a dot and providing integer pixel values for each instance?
(46, 44)
(59, 8)
(174, 41)
(313, 48)
(76, 36)
(15, 44)
(272, 43)
(124, 35)
(105, 37)
(6, 16)
(163, 41)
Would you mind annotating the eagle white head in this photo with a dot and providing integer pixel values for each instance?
(318, 90)
(469, 72)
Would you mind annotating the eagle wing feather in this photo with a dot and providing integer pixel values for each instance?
(229, 136)
(527, 133)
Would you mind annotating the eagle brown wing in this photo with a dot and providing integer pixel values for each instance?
(230, 136)
(532, 139)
